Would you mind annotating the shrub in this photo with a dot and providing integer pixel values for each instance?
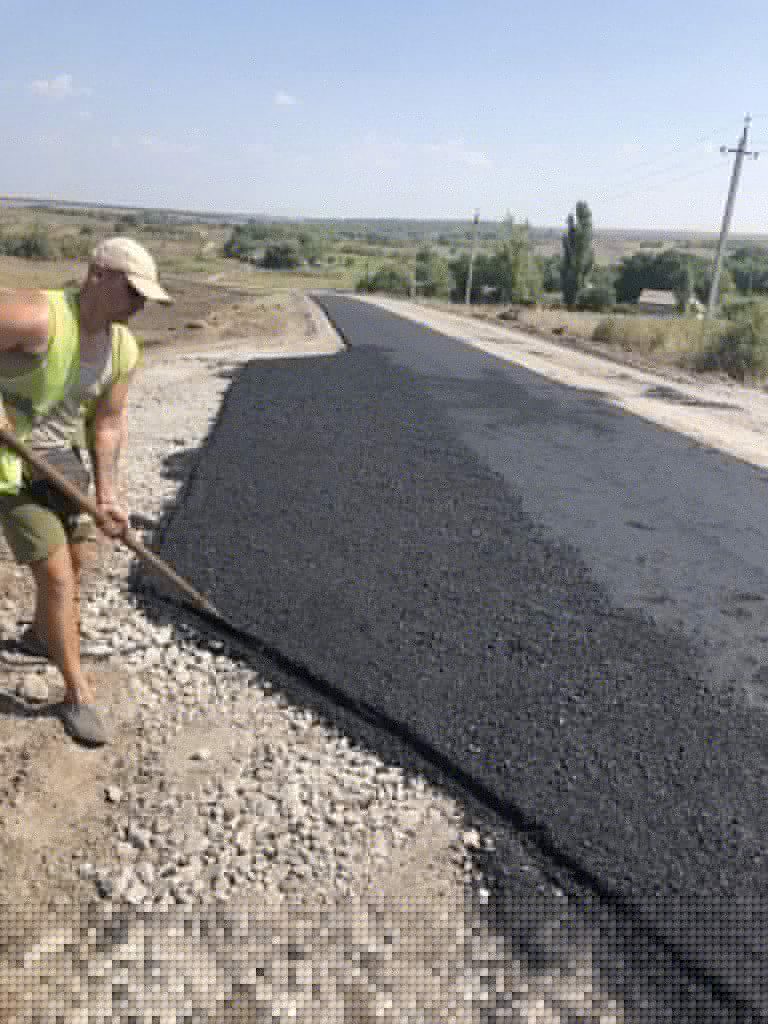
(127, 224)
(645, 334)
(282, 256)
(739, 347)
(35, 245)
(596, 299)
(432, 274)
(251, 237)
(738, 309)
(311, 247)
(387, 279)
(606, 330)
(75, 247)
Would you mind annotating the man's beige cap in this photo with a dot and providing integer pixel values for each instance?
(135, 262)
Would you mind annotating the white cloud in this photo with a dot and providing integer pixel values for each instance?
(284, 99)
(58, 88)
(156, 145)
(85, 115)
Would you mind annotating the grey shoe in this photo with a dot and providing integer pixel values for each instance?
(24, 650)
(28, 645)
(82, 723)
(28, 642)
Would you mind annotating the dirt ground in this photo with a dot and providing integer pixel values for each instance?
(206, 314)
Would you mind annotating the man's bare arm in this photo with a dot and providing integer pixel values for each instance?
(23, 321)
(108, 443)
(110, 428)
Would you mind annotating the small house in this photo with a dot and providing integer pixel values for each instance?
(657, 303)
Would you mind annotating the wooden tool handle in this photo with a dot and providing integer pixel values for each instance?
(128, 536)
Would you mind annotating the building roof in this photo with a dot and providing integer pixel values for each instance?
(657, 298)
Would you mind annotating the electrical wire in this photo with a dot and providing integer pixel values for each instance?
(634, 191)
(662, 164)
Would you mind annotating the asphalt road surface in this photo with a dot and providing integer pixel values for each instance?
(448, 536)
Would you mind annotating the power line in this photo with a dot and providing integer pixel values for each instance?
(664, 161)
(675, 165)
(612, 197)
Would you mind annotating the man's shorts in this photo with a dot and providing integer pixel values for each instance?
(40, 519)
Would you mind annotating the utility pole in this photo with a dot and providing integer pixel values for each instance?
(741, 151)
(475, 220)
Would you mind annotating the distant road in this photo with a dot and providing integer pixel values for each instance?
(402, 515)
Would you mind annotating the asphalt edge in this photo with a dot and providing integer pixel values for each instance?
(321, 325)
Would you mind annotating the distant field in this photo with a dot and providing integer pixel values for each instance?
(15, 273)
(183, 245)
(192, 248)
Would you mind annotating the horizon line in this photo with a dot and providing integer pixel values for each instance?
(213, 214)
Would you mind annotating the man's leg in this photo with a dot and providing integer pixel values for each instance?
(81, 556)
(79, 553)
(56, 619)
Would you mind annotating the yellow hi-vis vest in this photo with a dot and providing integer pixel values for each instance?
(33, 394)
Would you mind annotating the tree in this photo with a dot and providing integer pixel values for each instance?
(549, 267)
(510, 273)
(246, 239)
(387, 279)
(749, 266)
(635, 273)
(282, 256)
(485, 277)
(600, 293)
(684, 287)
(578, 255)
(517, 273)
(311, 246)
(432, 275)
(671, 270)
(704, 283)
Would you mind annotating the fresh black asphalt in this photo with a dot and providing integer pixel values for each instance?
(341, 513)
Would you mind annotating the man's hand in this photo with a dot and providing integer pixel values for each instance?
(112, 518)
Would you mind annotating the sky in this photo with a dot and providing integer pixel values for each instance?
(329, 108)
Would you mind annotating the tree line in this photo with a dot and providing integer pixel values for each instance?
(511, 272)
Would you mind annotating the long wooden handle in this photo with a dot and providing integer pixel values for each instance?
(128, 537)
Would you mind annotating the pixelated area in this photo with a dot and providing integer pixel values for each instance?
(366, 961)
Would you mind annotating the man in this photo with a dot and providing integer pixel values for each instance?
(66, 363)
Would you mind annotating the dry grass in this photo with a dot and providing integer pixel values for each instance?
(579, 325)
(16, 273)
(674, 336)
